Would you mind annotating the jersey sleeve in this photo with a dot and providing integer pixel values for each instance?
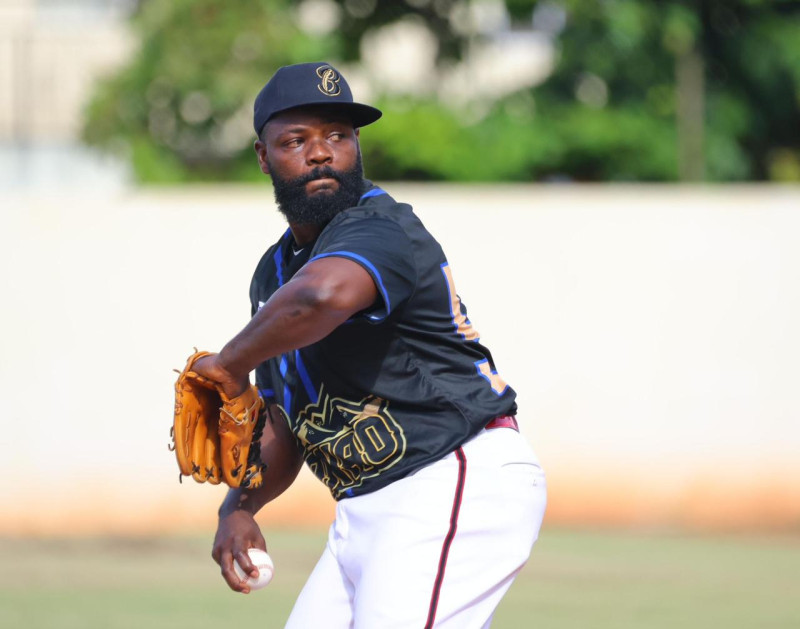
(384, 250)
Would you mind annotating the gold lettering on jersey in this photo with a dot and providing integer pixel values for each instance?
(329, 81)
(346, 442)
(463, 326)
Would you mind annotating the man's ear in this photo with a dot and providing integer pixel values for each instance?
(261, 152)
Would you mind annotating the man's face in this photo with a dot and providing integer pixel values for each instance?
(313, 157)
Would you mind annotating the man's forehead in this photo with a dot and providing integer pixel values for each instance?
(309, 116)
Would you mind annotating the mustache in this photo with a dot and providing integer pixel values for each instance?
(320, 172)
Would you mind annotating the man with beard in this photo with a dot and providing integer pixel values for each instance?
(373, 376)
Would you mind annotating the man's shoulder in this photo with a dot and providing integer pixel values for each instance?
(375, 204)
(386, 221)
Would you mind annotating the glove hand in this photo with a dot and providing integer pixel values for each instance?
(209, 368)
(194, 427)
(217, 435)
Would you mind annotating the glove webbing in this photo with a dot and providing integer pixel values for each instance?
(254, 461)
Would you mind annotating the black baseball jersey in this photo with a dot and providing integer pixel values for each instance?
(397, 386)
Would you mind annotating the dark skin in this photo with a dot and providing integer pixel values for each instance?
(319, 298)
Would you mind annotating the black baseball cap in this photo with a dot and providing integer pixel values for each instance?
(309, 84)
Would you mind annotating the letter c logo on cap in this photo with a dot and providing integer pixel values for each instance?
(329, 83)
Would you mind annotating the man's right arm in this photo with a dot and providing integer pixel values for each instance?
(237, 529)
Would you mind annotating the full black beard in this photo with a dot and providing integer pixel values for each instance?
(301, 209)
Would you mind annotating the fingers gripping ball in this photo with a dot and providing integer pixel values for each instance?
(217, 438)
(263, 562)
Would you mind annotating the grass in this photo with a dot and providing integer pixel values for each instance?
(575, 579)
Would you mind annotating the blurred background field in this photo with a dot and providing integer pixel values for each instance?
(601, 579)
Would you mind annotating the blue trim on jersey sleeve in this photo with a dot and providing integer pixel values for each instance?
(305, 378)
(485, 377)
(265, 393)
(372, 193)
(362, 260)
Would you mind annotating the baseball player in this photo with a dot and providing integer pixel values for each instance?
(375, 377)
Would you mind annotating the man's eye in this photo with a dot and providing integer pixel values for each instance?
(336, 135)
(294, 142)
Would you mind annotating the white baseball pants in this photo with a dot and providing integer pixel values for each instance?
(438, 548)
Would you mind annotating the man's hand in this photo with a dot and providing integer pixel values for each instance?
(237, 531)
(211, 368)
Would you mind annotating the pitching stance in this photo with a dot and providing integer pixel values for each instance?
(368, 369)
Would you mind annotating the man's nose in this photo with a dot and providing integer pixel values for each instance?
(319, 152)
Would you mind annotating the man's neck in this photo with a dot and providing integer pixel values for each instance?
(304, 234)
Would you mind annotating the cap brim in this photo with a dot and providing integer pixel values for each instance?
(360, 114)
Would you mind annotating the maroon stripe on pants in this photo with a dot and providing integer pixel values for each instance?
(448, 540)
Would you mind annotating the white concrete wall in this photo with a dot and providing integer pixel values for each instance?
(651, 333)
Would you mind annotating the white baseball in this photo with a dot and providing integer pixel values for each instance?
(263, 562)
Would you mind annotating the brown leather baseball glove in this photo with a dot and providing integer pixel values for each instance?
(217, 438)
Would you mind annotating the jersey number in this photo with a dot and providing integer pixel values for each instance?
(466, 331)
(460, 321)
(485, 370)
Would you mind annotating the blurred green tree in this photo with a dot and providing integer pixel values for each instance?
(180, 109)
(713, 85)
(639, 91)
